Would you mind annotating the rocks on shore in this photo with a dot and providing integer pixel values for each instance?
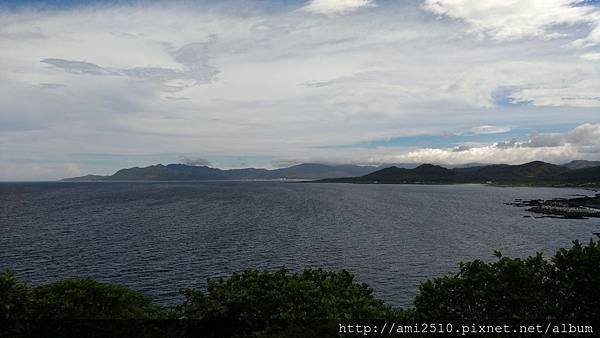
(580, 207)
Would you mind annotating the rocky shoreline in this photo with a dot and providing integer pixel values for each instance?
(580, 207)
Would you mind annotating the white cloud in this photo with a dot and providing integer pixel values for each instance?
(586, 135)
(593, 38)
(274, 82)
(196, 161)
(490, 129)
(591, 56)
(582, 142)
(514, 19)
(193, 57)
(336, 6)
(488, 154)
(79, 67)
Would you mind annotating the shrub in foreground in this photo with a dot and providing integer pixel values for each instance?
(566, 288)
(15, 297)
(85, 298)
(281, 303)
(77, 307)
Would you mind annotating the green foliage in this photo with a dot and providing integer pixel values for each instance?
(86, 298)
(509, 289)
(517, 290)
(576, 279)
(276, 303)
(15, 304)
(15, 297)
(78, 307)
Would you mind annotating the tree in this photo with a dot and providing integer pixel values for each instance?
(85, 298)
(85, 305)
(517, 290)
(15, 297)
(259, 303)
(576, 278)
(15, 304)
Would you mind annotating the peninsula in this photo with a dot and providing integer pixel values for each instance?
(183, 172)
(535, 173)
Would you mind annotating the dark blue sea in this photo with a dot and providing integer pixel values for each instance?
(161, 237)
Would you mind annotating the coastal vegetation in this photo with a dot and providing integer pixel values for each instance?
(312, 303)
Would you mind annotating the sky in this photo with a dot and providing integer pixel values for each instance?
(89, 87)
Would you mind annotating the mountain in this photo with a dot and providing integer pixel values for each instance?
(171, 172)
(466, 166)
(398, 165)
(425, 173)
(86, 178)
(585, 176)
(532, 173)
(422, 173)
(182, 172)
(581, 164)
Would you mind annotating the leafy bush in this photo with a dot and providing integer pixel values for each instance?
(15, 297)
(278, 303)
(576, 283)
(86, 298)
(15, 303)
(517, 290)
(77, 307)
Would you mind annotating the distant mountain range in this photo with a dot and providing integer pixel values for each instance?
(533, 173)
(576, 172)
(182, 172)
(581, 164)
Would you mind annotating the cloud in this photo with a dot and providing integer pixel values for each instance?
(586, 135)
(25, 34)
(508, 96)
(268, 81)
(490, 129)
(591, 56)
(515, 19)
(79, 67)
(284, 163)
(461, 148)
(176, 98)
(336, 6)
(317, 84)
(583, 142)
(592, 39)
(193, 57)
(195, 161)
(51, 85)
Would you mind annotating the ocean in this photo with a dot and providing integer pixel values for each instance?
(161, 237)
